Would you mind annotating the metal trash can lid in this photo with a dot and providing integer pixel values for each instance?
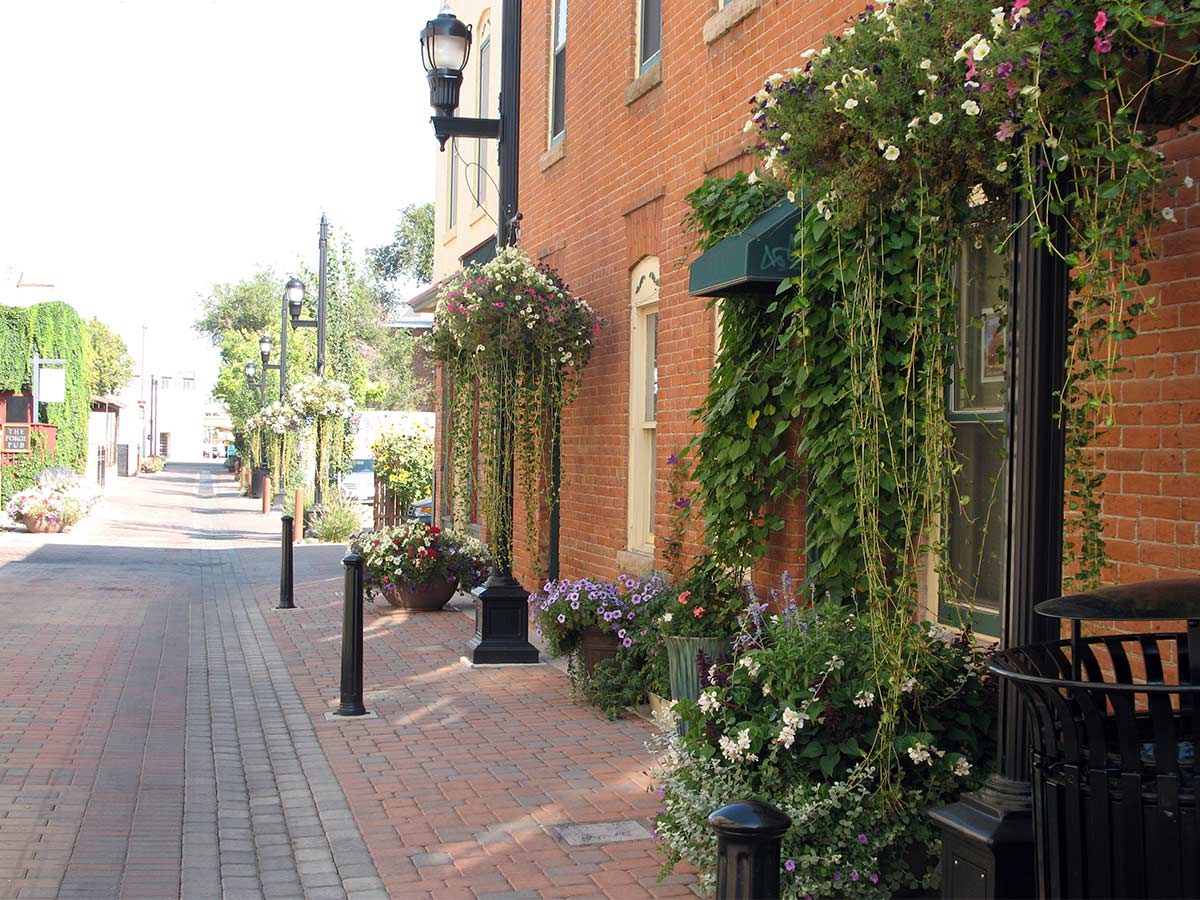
(1169, 599)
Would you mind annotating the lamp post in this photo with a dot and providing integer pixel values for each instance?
(293, 308)
(501, 609)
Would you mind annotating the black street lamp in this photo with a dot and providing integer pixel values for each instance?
(293, 308)
(501, 608)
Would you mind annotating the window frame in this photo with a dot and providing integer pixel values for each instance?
(951, 611)
(482, 107)
(641, 499)
(558, 65)
(642, 62)
(452, 187)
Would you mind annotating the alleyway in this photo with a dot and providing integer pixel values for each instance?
(163, 731)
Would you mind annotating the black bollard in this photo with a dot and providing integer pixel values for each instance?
(749, 835)
(352, 640)
(287, 596)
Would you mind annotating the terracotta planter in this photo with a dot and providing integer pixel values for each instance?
(421, 597)
(597, 645)
(41, 525)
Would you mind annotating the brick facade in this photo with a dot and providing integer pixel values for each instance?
(612, 193)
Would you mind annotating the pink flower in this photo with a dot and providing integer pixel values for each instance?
(1101, 45)
(1006, 131)
(1100, 21)
(970, 69)
(1017, 7)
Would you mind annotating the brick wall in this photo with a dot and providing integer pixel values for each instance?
(616, 195)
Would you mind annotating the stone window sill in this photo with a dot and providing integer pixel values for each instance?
(724, 20)
(644, 83)
(635, 562)
(553, 154)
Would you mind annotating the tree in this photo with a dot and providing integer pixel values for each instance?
(409, 257)
(112, 367)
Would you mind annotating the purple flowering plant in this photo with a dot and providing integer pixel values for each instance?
(564, 609)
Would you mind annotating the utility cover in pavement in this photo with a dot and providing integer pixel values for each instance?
(603, 833)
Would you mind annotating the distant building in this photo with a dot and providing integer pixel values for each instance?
(176, 416)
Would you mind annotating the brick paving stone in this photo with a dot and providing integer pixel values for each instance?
(162, 729)
(148, 723)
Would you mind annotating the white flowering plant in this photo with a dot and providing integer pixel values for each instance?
(320, 397)
(795, 719)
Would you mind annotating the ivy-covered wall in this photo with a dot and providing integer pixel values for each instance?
(56, 332)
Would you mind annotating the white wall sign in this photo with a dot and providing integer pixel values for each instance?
(52, 385)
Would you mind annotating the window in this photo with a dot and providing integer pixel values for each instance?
(452, 186)
(649, 33)
(558, 67)
(164, 383)
(187, 384)
(16, 408)
(975, 535)
(643, 403)
(482, 104)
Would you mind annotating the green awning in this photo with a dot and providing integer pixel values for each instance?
(752, 262)
(485, 252)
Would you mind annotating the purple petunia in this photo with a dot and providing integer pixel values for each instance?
(790, 865)
(862, 838)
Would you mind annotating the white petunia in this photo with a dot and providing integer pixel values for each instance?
(926, 63)
(935, 118)
(809, 53)
(851, 103)
(748, 127)
(1188, 181)
(753, 179)
(667, 617)
(791, 195)
(970, 107)
(1168, 214)
(892, 153)
(982, 49)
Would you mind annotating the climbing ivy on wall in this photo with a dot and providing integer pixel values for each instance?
(56, 332)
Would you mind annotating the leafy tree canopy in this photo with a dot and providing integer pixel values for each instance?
(112, 366)
(409, 257)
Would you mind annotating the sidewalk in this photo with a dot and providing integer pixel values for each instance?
(162, 729)
(473, 782)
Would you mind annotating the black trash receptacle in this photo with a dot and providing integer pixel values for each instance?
(1115, 728)
(258, 475)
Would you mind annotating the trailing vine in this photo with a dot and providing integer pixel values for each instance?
(908, 132)
(514, 340)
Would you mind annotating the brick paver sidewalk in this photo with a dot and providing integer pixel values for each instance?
(162, 730)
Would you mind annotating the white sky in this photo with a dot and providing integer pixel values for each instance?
(151, 148)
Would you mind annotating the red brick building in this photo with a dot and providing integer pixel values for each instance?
(621, 119)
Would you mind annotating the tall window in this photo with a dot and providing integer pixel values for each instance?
(976, 412)
(164, 384)
(649, 33)
(452, 186)
(643, 403)
(558, 71)
(481, 110)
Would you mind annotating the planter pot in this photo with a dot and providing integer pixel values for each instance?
(421, 597)
(597, 645)
(659, 706)
(681, 660)
(41, 525)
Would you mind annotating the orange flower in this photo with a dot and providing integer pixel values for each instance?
(698, 611)
(683, 597)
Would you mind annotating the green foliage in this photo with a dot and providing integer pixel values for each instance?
(404, 463)
(722, 207)
(514, 341)
(410, 254)
(617, 683)
(629, 608)
(55, 331)
(112, 367)
(707, 603)
(338, 519)
(798, 719)
(151, 465)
